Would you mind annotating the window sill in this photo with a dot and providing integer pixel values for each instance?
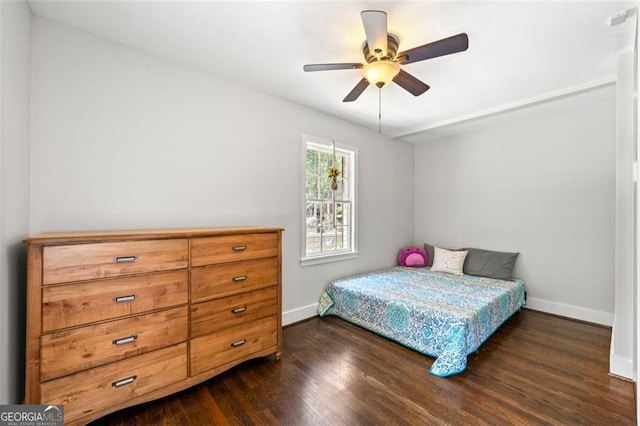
(317, 260)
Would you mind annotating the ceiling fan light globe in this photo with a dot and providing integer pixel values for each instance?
(380, 73)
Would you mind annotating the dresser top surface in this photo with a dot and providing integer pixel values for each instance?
(47, 238)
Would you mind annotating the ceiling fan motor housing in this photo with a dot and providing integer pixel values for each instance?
(392, 49)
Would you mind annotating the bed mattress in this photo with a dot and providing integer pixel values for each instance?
(441, 315)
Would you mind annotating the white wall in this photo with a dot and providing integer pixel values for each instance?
(123, 139)
(636, 141)
(622, 351)
(15, 36)
(539, 181)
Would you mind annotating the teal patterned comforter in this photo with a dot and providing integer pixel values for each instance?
(440, 315)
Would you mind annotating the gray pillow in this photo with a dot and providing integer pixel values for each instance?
(430, 252)
(490, 264)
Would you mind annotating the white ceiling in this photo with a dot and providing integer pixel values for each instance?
(519, 51)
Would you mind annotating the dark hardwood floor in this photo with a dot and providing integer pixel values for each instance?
(536, 369)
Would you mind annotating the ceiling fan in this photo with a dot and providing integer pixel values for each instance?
(382, 60)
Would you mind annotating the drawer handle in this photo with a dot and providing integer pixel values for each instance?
(123, 382)
(122, 299)
(125, 259)
(239, 248)
(238, 343)
(239, 310)
(125, 340)
(238, 279)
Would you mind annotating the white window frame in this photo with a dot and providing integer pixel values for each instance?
(308, 260)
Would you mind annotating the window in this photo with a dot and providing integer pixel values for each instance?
(329, 209)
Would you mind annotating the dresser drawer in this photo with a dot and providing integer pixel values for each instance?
(231, 248)
(102, 387)
(78, 349)
(216, 315)
(217, 349)
(225, 280)
(76, 304)
(79, 262)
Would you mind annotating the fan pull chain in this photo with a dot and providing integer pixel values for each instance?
(380, 110)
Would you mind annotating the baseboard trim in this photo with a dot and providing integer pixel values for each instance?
(621, 368)
(299, 314)
(571, 311)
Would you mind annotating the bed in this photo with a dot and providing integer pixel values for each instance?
(438, 314)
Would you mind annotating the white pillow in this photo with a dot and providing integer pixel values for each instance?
(448, 261)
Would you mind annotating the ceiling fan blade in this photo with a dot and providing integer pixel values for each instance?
(329, 67)
(410, 83)
(375, 28)
(356, 91)
(446, 46)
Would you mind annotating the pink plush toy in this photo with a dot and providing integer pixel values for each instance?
(413, 256)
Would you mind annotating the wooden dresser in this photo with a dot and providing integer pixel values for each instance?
(115, 319)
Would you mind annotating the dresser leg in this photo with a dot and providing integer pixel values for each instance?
(277, 356)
